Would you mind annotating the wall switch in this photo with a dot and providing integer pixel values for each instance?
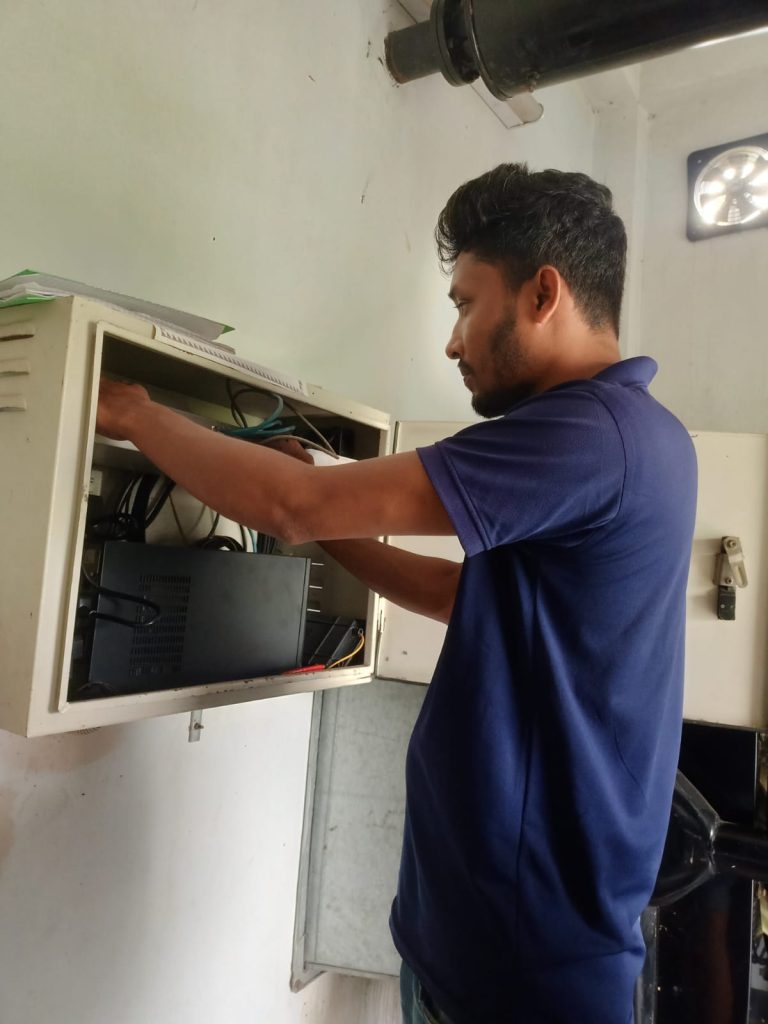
(94, 484)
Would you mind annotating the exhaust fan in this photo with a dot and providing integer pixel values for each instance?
(728, 188)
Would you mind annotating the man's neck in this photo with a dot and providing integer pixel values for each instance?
(583, 364)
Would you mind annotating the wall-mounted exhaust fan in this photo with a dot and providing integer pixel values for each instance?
(728, 188)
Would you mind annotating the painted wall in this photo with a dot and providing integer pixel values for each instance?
(251, 162)
(701, 311)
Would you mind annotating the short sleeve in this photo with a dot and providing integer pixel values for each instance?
(551, 469)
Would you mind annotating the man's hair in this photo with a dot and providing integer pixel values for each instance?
(521, 220)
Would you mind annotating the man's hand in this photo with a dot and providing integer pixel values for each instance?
(120, 405)
(290, 446)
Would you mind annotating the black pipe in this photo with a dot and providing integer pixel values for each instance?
(519, 45)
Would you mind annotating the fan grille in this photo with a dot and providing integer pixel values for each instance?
(732, 188)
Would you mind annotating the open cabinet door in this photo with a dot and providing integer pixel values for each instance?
(355, 799)
(409, 644)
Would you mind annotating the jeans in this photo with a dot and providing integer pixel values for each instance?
(415, 1002)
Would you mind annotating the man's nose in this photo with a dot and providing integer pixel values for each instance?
(452, 349)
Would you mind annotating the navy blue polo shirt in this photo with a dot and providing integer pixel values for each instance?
(541, 768)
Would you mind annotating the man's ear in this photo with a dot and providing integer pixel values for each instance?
(545, 293)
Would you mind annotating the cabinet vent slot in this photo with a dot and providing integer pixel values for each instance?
(13, 403)
(159, 649)
(17, 331)
(15, 367)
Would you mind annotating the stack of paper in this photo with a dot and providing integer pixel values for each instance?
(31, 286)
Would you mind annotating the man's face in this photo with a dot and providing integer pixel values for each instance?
(485, 340)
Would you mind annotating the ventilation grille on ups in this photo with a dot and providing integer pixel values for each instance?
(158, 649)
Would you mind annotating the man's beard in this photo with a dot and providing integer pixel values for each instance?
(509, 365)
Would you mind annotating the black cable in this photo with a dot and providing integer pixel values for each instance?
(124, 503)
(265, 544)
(212, 530)
(165, 492)
(140, 503)
(237, 413)
(221, 543)
(108, 592)
(118, 526)
(121, 524)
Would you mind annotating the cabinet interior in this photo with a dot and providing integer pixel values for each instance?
(339, 609)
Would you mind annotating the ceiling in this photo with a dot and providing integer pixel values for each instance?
(656, 83)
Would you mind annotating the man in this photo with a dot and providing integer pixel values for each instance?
(541, 769)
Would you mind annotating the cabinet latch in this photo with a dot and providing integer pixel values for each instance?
(730, 572)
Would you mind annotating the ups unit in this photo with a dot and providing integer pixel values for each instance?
(176, 616)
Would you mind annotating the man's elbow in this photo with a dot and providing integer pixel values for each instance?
(292, 523)
(444, 612)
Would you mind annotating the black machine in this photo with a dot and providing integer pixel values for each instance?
(707, 934)
(166, 617)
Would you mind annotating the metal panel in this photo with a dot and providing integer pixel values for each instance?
(351, 852)
(727, 662)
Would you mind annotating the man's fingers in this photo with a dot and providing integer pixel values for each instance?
(290, 446)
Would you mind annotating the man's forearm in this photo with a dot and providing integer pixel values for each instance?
(415, 582)
(269, 491)
(241, 481)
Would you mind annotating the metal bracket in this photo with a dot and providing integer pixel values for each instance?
(195, 725)
(730, 572)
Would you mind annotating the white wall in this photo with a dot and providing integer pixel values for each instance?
(249, 161)
(701, 310)
(621, 154)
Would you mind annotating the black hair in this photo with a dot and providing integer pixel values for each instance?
(521, 220)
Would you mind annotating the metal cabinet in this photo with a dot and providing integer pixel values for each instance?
(51, 357)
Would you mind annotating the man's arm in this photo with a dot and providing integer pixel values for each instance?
(272, 492)
(417, 583)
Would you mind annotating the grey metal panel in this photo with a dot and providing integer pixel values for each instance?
(357, 826)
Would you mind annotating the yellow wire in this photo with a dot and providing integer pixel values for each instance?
(348, 657)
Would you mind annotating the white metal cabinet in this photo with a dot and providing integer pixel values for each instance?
(726, 677)
(51, 358)
(356, 789)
